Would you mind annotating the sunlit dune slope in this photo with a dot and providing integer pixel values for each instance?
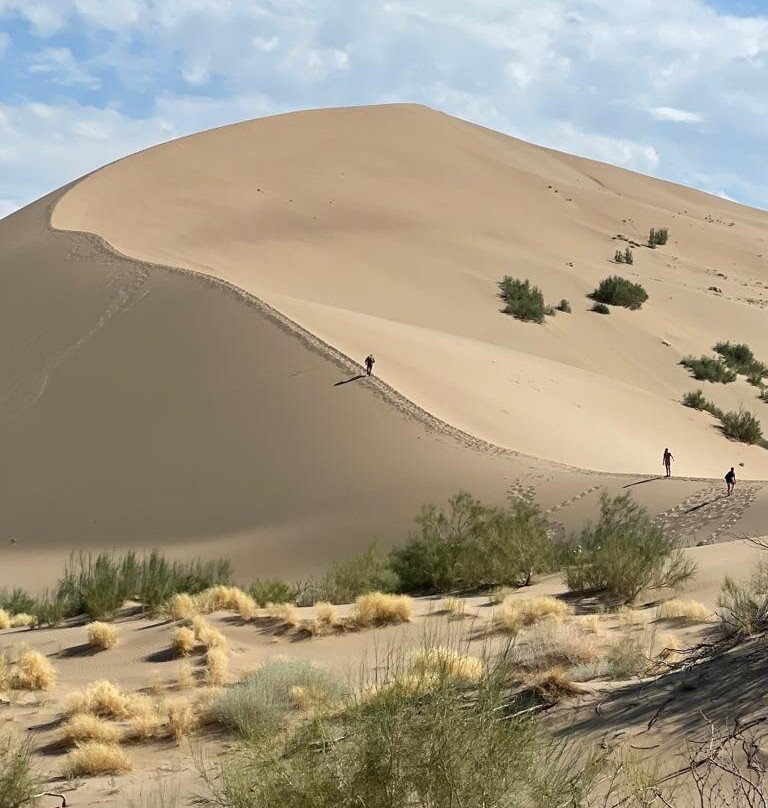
(386, 229)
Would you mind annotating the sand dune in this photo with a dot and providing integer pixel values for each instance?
(385, 229)
(142, 406)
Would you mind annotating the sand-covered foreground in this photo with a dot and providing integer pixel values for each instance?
(606, 710)
(385, 229)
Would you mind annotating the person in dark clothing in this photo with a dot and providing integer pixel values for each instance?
(730, 480)
(369, 360)
(667, 460)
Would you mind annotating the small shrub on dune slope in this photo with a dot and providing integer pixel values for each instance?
(19, 781)
(689, 610)
(94, 758)
(5, 620)
(32, 671)
(183, 640)
(742, 426)
(624, 553)
(744, 606)
(83, 727)
(523, 301)
(517, 613)
(260, 704)
(740, 358)
(101, 635)
(707, 369)
(272, 590)
(348, 579)
(443, 662)
(618, 291)
(600, 308)
(380, 609)
(469, 545)
(105, 699)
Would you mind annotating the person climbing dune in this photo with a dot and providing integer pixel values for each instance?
(667, 461)
(730, 481)
(369, 360)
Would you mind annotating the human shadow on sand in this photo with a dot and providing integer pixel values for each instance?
(347, 381)
(640, 482)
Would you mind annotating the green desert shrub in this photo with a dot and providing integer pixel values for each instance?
(618, 291)
(695, 399)
(564, 306)
(346, 580)
(626, 658)
(742, 426)
(764, 394)
(19, 782)
(272, 590)
(430, 741)
(707, 369)
(260, 704)
(98, 584)
(16, 601)
(600, 308)
(658, 236)
(471, 545)
(623, 553)
(523, 301)
(744, 606)
(739, 357)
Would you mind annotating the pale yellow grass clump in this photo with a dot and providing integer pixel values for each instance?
(182, 720)
(448, 663)
(630, 618)
(227, 598)
(106, 699)
(552, 686)
(5, 620)
(499, 595)
(83, 727)
(102, 635)
(515, 614)
(285, 613)
(550, 644)
(217, 664)
(23, 620)
(185, 676)
(309, 699)
(326, 619)
(182, 607)
(689, 610)
(145, 720)
(456, 607)
(94, 758)
(204, 704)
(183, 640)
(207, 635)
(667, 647)
(380, 609)
(32, 671)
(591, 622)
(5, 672)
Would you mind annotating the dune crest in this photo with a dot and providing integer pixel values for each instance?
(386, 229)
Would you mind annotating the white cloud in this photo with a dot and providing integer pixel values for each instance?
(677, 115)
(63, 68)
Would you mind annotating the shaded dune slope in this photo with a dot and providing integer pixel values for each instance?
(387, 228)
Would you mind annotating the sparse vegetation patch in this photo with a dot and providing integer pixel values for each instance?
(707, 369)
(618, 291)
(523, 301)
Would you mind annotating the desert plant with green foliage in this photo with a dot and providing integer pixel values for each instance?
(695, 399)
(470, 545)
(272, 590)
(658, 236)
(624, 256)
(626, 658)
(260, 705)
(16, 601)
(707, 369)
(764, 394)
(739, 357)
(564, 306)
(743, 607)
(19, 781)
(600, 308)
(348, 579)
(523, 301)
(618, 291)
(98, 584)
(624, 553)
(742, 426)
(430, 740)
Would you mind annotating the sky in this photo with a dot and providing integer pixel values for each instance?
(673, 88)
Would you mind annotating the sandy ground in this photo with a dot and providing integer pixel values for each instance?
(385, 229)
(141, 662)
